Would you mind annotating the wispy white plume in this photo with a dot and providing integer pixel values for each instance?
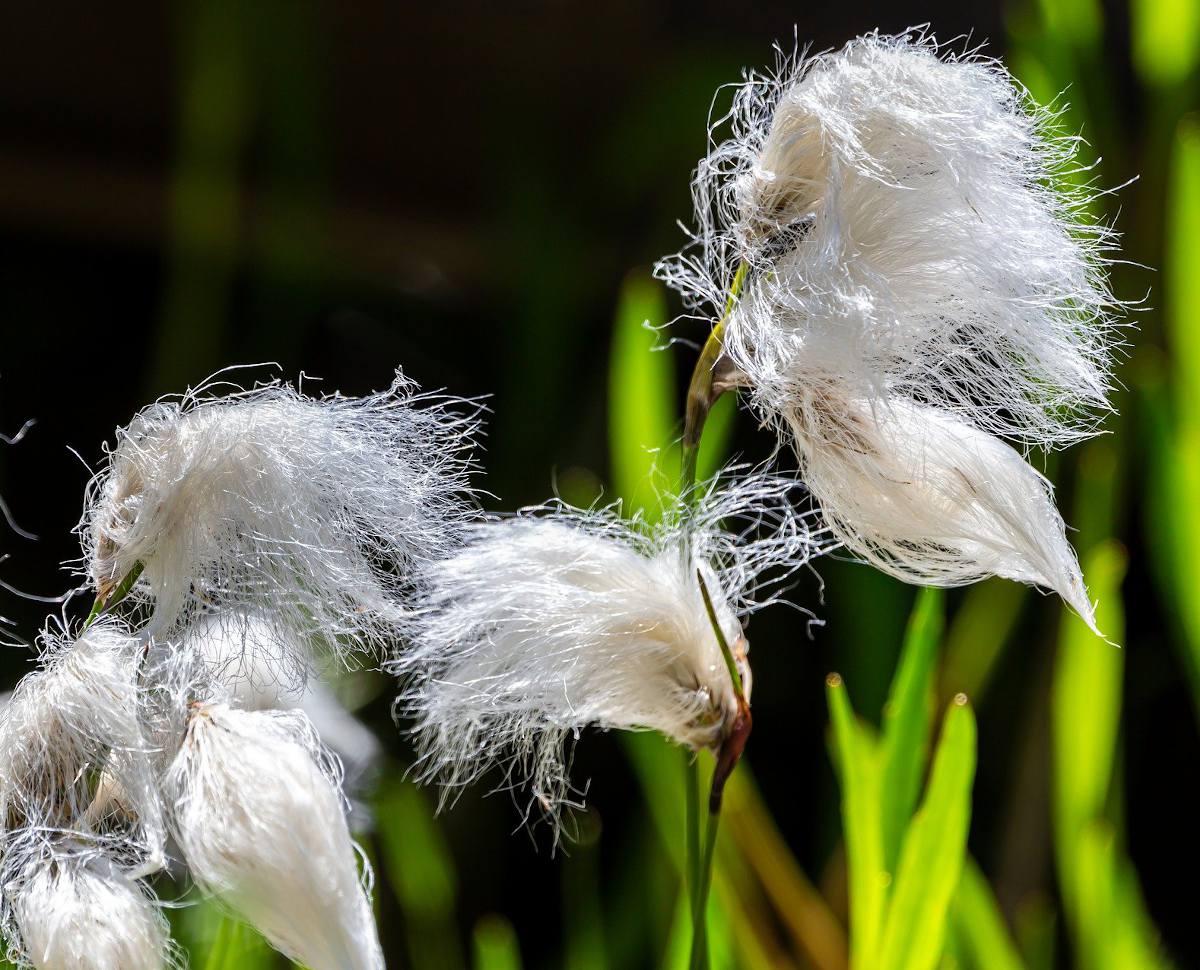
(70, 730)
(915, 242)
(560, 619)
(312, 510)
(924, 495)
(69, 907)
(261, 825)
(240, 660)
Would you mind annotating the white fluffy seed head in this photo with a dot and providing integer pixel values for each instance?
(927, 497)
(311, 509)
(560, 619)
(912, 223)
(262, 827)
(239, 660)
(70, 733)
(68, 907)
(918, 249)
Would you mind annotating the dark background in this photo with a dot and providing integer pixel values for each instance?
(460, 191)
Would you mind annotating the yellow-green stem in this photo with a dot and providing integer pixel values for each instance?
(699, 960)
(691, 801)
(703, 392)
(104, 603)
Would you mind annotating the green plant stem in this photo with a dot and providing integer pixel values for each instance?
(699, 959)
(703, 391)
(104, 603)
(691, 802)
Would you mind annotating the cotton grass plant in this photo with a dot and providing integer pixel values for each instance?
(250, 540)
(900, 275)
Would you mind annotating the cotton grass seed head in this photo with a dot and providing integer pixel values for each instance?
(921, 270)
(262, 827)
(311, 509)
(69, 907)
(927, 497)
(560, 619)
(71, 735)
(237, 659)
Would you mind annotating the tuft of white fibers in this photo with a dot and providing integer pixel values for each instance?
(71, 734)
(262, 827)
(238, 659)
(312, 509)
(913, 240)
(68, 907)
(559, 619)
(929, 498)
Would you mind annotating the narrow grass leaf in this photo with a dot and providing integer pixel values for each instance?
(496, 945)
(975, 640)
(642, 407)
(421, 872)
(857, 762)
(935, 846)
(984, 940)
(1085, 712)
(907, 721)
(1166, 39)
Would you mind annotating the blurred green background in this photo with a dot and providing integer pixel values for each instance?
(475, 193)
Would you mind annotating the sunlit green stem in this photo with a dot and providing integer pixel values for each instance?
(703, 391)
(699, 960)
(691, 802)
(106, 602)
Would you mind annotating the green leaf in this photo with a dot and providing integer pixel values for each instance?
(975, 640)
(1166, 39)
(421, 871)
(858, 770)
(236, 946)
(935, 846)
(1114, 929)
(1086, 711)
(983, 936)
(907, 721)
(496, 945)
(1176, 514)
(642, 408)
(1181, 257)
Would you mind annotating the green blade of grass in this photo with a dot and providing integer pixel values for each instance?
(1178, 453)
(934, 847)
(1085, 711)
(421, 872)
(857, 762)
(1109, 903)
(1166, 39)
(984, 940)
(496, 945)
(907, 721)
(975, 640)
(236, 946)
(642, 410)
